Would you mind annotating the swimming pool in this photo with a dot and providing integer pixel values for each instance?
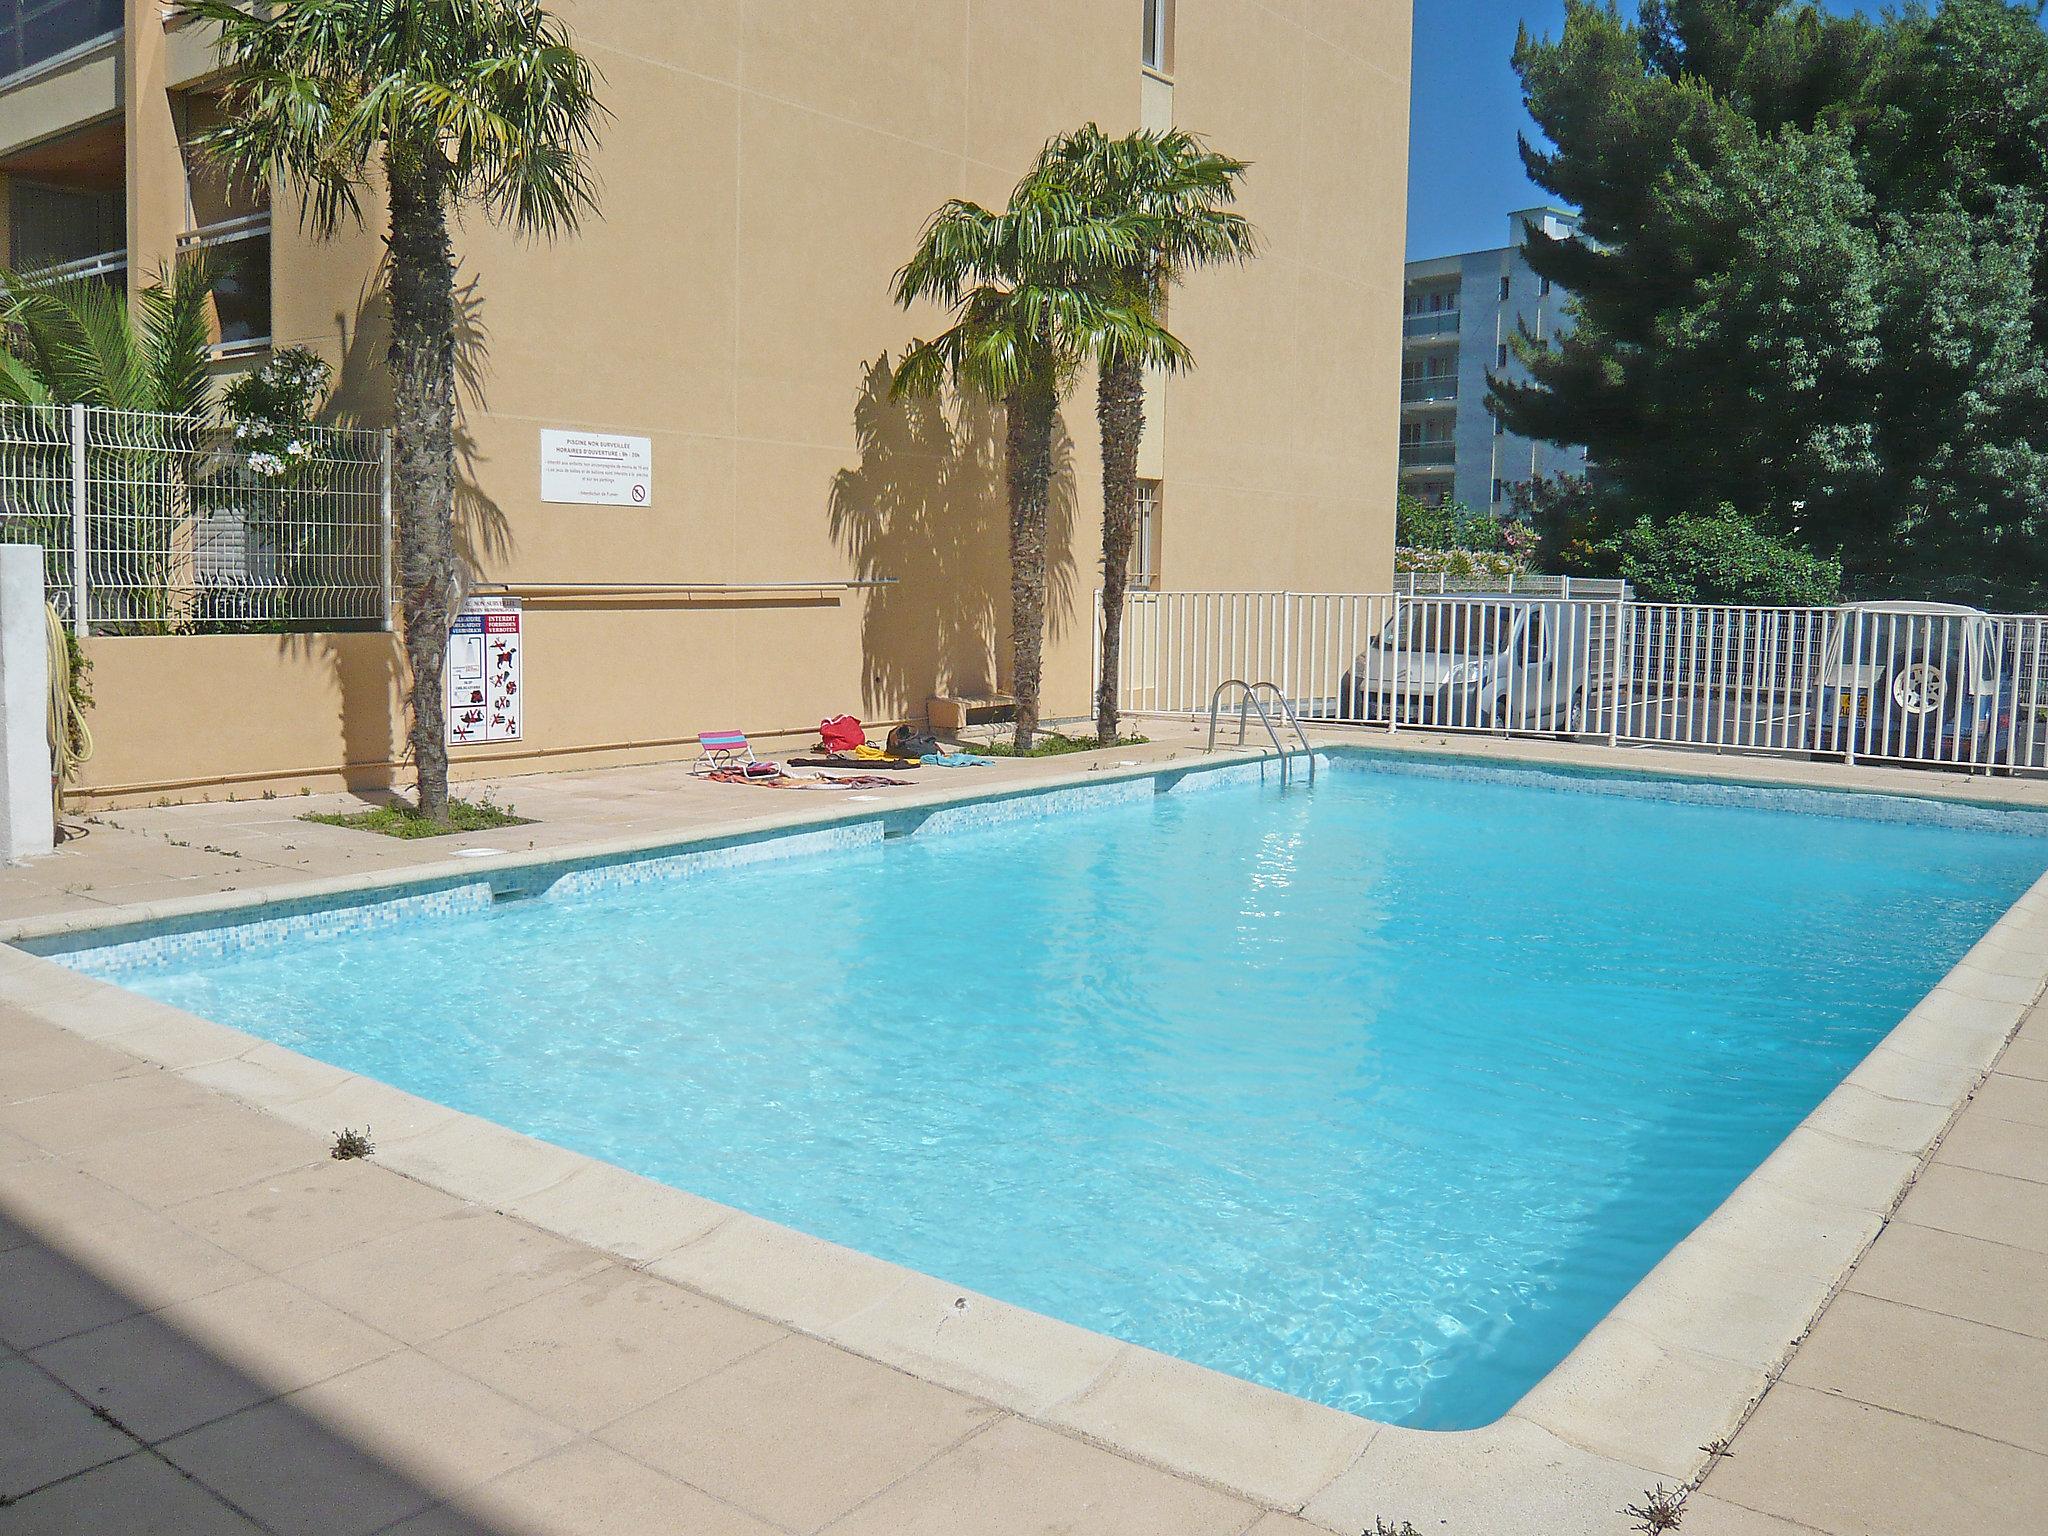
(1381, 1092)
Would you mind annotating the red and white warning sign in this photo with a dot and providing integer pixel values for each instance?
(483, 672)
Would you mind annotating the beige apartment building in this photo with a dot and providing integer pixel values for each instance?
(806, 545)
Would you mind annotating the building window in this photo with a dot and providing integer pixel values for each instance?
(1503, 354)
(237, 253)
(1546, 288)
(1145, 537)
(1506, 289)
(1496, 492)
(1156, 50)
(1500, 428)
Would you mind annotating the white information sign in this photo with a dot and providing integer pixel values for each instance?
(483, 672)
(592, 469)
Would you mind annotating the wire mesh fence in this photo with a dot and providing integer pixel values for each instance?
(1923, 683)
(157, 524)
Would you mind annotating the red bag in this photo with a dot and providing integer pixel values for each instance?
(842, 733)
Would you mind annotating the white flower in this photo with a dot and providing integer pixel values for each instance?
(267, 464)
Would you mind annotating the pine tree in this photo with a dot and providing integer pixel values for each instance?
(1811, 282)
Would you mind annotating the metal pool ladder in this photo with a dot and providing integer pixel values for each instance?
(1251, 697)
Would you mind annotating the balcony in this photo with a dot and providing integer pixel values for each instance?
(1442, 387)
(34, 32)
(1429, 455)
(237, 254)
(109, 267)
(1434, 324)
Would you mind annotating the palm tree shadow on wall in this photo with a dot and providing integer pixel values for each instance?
(927, 506)
(367, 670)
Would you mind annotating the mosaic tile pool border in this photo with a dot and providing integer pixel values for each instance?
(1638, 784)
(271, 928)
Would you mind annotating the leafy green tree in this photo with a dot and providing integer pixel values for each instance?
(1185, 189)
(456, 102)
(1811, 281)
(1025, 289)
(1719, 557)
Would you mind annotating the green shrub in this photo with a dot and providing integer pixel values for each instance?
(1723, 558)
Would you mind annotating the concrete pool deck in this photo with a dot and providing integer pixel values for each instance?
(344, 1346)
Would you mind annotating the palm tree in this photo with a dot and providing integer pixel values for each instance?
(459, 102)
(74, 341)
(1026, 290)
(1184, 190)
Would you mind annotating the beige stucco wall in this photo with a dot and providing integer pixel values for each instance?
(767, 168)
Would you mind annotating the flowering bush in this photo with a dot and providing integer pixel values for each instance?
(270, 413)
(1461, 562)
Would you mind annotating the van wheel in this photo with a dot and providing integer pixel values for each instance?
(1918, 686)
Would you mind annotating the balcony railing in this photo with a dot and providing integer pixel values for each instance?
(110, 267)
(1422, 391)
(1431, 455)
(238, 255)
(33, 32)
(1437, 322)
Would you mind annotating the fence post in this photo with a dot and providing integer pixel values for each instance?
(1843, 674)
(387, 553)
(1622, 666)
(81, 623)
(1390, 673)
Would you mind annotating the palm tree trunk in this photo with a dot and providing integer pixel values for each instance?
(422, 290)
(1029, 414)
(1120, 411)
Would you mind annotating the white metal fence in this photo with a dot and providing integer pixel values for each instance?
(1915, 683)
(154, 524)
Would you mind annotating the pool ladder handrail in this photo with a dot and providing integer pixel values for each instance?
(1249, 700)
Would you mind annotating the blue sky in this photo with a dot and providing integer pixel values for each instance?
(1464, 176)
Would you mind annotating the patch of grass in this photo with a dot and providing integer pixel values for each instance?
(1051, 744)
(400, 820)
(352, 1144)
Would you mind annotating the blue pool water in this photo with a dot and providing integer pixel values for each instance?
(1380, 1092)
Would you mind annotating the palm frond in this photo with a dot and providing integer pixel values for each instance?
(176, 337)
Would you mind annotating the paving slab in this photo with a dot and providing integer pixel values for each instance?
(139, 1493)
(584, 1489)
(1991, 1145)
(296, 1475)
(1848, 1469)
(1949, 1370)
(798, 1433)
(2027, 1055)
(285, 1220)
(446, 1273)
(1966, 1277)
(597, 1349)
(46, 1432)
(2006, 1096)
(1987, 1205)
(1020, 1479)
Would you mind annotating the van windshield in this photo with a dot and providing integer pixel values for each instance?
(1465, 628)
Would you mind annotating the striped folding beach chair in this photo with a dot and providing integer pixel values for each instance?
(723, 749)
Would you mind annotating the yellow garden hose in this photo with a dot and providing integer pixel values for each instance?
(70, 736)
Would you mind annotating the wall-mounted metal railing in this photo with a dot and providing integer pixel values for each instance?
(156, 524)
(1925, 684)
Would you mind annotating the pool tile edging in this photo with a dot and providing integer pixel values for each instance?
(630, 859)
(1654, 1381)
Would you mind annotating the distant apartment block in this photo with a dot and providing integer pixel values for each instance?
(1459, 315)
